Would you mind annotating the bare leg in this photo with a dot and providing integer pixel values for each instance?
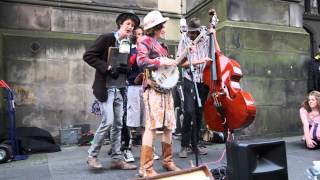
(148, 136)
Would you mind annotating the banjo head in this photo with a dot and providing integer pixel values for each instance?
(166, 77)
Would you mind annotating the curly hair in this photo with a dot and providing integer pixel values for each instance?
(134, 36)
(305, 103)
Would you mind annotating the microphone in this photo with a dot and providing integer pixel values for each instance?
(183, 25)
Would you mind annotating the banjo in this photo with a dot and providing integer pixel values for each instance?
(166, 77)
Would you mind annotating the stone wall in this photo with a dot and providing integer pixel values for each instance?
(312, 23)
(268, 40)
(50, 80)
(41, 48)
(190, 4)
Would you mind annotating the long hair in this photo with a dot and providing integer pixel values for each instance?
(305, 103)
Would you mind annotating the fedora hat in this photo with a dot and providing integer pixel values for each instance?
(152, 19)
(194, 24)
(127, 15)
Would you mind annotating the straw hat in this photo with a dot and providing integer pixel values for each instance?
(152, 19)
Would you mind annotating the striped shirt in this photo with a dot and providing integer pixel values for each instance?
(202, 51)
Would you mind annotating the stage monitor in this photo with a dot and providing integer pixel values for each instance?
(257, 160)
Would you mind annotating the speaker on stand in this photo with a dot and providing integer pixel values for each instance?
(257, 160)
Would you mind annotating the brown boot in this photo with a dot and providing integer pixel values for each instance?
(146, 162)
(167, 161)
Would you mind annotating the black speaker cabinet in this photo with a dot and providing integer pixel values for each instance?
(257, 160)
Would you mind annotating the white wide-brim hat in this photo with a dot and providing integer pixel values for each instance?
(152, 19)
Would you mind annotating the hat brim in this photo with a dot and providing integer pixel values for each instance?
(155, 23)
(193, 29)
(132, 16)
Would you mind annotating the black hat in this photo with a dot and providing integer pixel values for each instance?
(124, 16)
(194, 24)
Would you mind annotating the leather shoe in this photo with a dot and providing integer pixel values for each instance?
(120, 164)
(94, 163)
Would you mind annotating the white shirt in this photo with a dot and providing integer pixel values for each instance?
(202, 51)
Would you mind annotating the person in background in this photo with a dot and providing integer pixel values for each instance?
(310, 118)
(135, 107)
(159, 107)
(110, 99)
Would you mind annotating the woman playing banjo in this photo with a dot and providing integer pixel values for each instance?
(159, 106)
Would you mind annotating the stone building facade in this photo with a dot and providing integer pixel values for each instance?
(42, 43)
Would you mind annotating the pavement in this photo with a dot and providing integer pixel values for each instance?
(70, 163)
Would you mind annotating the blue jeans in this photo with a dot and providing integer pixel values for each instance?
(111, 111)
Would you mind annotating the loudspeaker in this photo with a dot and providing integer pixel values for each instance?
(200, 172)
(257, 160)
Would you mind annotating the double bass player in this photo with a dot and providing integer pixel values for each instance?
(193, 66)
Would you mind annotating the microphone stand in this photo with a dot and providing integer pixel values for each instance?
(199, 104)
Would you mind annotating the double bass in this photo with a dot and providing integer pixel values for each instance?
(227, 107)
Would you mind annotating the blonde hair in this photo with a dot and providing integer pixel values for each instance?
(305, 103)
